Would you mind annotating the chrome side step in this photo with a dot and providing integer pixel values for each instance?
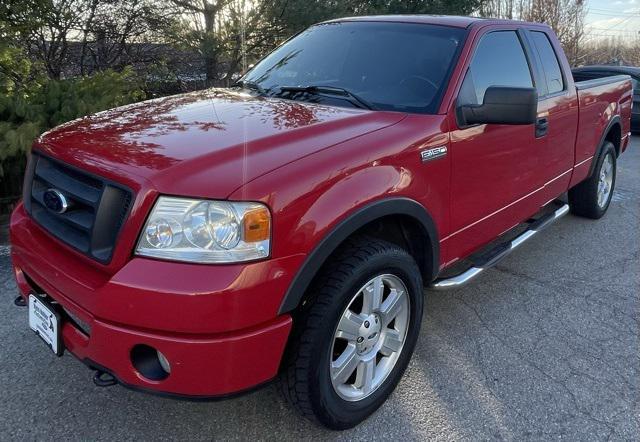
(500, 252)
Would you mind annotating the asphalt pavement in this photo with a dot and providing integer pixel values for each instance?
(544, 346)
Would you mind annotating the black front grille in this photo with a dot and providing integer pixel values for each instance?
(96, 211)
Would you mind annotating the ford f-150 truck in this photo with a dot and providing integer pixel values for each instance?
(204, 244)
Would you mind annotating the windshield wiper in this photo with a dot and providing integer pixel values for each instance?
(248, 84)
(329, 90)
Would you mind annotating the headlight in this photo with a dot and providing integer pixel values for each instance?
(206, 231)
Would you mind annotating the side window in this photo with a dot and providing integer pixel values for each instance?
(550, 64)
(499, 61)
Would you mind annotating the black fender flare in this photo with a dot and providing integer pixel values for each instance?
(614, 120)
(358, 219)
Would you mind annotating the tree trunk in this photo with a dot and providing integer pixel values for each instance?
(210, 51)
(85, 33)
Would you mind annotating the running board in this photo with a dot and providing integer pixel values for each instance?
(495, 255)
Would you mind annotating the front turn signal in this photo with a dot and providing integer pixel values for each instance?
(256, 225)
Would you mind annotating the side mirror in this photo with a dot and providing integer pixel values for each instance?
(502, 105)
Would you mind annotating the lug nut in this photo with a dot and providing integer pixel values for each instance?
(360, 339)
(366, 324)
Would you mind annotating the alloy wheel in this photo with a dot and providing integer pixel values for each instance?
(605, 182)
(369, 337)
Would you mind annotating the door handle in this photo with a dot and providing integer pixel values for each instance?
(542, 127)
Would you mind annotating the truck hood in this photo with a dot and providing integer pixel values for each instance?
(206, 143)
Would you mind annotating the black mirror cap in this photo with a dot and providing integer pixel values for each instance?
(502, 105)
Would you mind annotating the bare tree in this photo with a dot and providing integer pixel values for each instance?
(105, 30)
(113, 30)
(49, 42)
(225, 33)
(204, 29)
(611, 51)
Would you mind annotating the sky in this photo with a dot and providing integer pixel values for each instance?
(609, 18)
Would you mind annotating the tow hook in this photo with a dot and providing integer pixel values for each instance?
(104, 379)
(20, 302)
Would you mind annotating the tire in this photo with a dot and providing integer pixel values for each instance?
(311, 358)
(586, 199)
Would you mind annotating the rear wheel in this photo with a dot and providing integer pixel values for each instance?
(355, 336)
(592, 197)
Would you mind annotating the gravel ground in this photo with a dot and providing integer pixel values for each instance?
(545, 345)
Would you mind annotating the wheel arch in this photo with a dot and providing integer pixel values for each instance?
(413, 222)
(613, 134)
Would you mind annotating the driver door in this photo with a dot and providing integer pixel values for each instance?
(495, 168)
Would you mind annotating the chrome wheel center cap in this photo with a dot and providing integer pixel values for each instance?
(368, 334)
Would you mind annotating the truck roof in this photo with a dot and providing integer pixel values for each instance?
(444, 20)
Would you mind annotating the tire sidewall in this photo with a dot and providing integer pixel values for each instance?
(608, 150)
(337, 412)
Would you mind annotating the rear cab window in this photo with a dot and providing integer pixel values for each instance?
(550, 64)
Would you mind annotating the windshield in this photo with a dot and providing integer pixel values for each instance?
(394, 66)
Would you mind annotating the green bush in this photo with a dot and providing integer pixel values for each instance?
(27, 112)
(31, 104)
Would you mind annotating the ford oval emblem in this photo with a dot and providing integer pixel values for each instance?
(55, 201)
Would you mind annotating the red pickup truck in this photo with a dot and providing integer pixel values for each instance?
(204, 244)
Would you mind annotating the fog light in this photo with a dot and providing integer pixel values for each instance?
(164, 362)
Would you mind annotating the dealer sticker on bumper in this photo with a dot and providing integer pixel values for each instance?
(45, 322)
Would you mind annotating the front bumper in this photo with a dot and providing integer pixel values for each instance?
(208, 321)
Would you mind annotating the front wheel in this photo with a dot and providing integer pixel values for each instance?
(591, 198)
(354, 338)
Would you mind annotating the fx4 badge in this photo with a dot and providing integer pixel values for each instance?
(432, 154)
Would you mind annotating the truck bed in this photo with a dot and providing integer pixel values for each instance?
(582, 84)
(598, 100)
